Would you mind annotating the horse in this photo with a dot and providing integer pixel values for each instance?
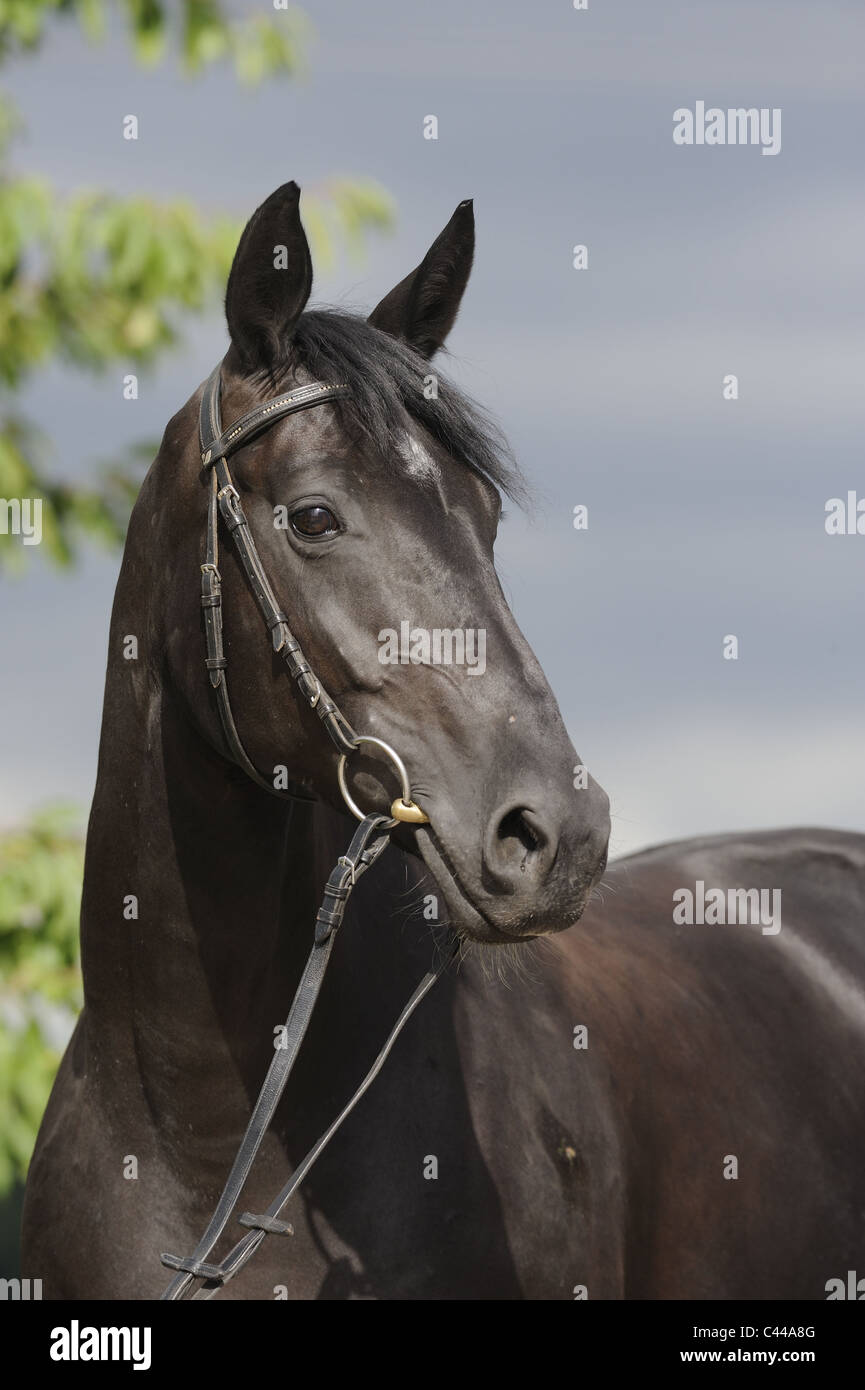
(600, 1098)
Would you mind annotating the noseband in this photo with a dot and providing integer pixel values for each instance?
(369, 841)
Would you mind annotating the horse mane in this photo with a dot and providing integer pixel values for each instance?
(386, 380)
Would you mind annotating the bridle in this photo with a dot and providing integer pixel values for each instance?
(216, 447)
(369, 841)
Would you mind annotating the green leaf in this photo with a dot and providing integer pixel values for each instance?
(41, 869)
(105, 283)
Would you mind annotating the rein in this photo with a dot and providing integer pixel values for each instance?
(369, 841)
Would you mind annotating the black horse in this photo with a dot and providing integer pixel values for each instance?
(640, 1108)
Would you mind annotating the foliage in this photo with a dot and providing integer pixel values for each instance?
(204, 34)
(98, 281)
(40, 981)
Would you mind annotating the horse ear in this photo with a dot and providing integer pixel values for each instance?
(422, 308)
(270, 281)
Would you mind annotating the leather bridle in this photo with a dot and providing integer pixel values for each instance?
(369, 841)
(216, 447)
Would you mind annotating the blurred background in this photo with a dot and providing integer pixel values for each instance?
(706, 516)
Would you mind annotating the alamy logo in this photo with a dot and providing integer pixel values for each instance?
(714, 907)
(854, 1288)
(845, 518)
(22, 516)
(20, 1290)
(437, 646)
(76, 1343)
(735, 126)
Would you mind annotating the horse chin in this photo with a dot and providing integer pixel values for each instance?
(465, 917)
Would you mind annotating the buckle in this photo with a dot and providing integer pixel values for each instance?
(348, 864)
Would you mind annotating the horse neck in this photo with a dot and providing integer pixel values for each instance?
(199, 900)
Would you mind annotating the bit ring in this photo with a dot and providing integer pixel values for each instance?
(403, 808)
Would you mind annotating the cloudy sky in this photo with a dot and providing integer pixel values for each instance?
(706, 516)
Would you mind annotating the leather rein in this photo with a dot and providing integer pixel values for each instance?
(198, 1275)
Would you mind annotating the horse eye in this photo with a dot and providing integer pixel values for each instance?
(314, 521)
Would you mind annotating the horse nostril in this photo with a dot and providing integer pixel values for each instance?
(519, 835)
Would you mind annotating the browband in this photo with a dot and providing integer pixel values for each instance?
(217, 443)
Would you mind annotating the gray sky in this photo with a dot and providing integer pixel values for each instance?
(706, 516)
